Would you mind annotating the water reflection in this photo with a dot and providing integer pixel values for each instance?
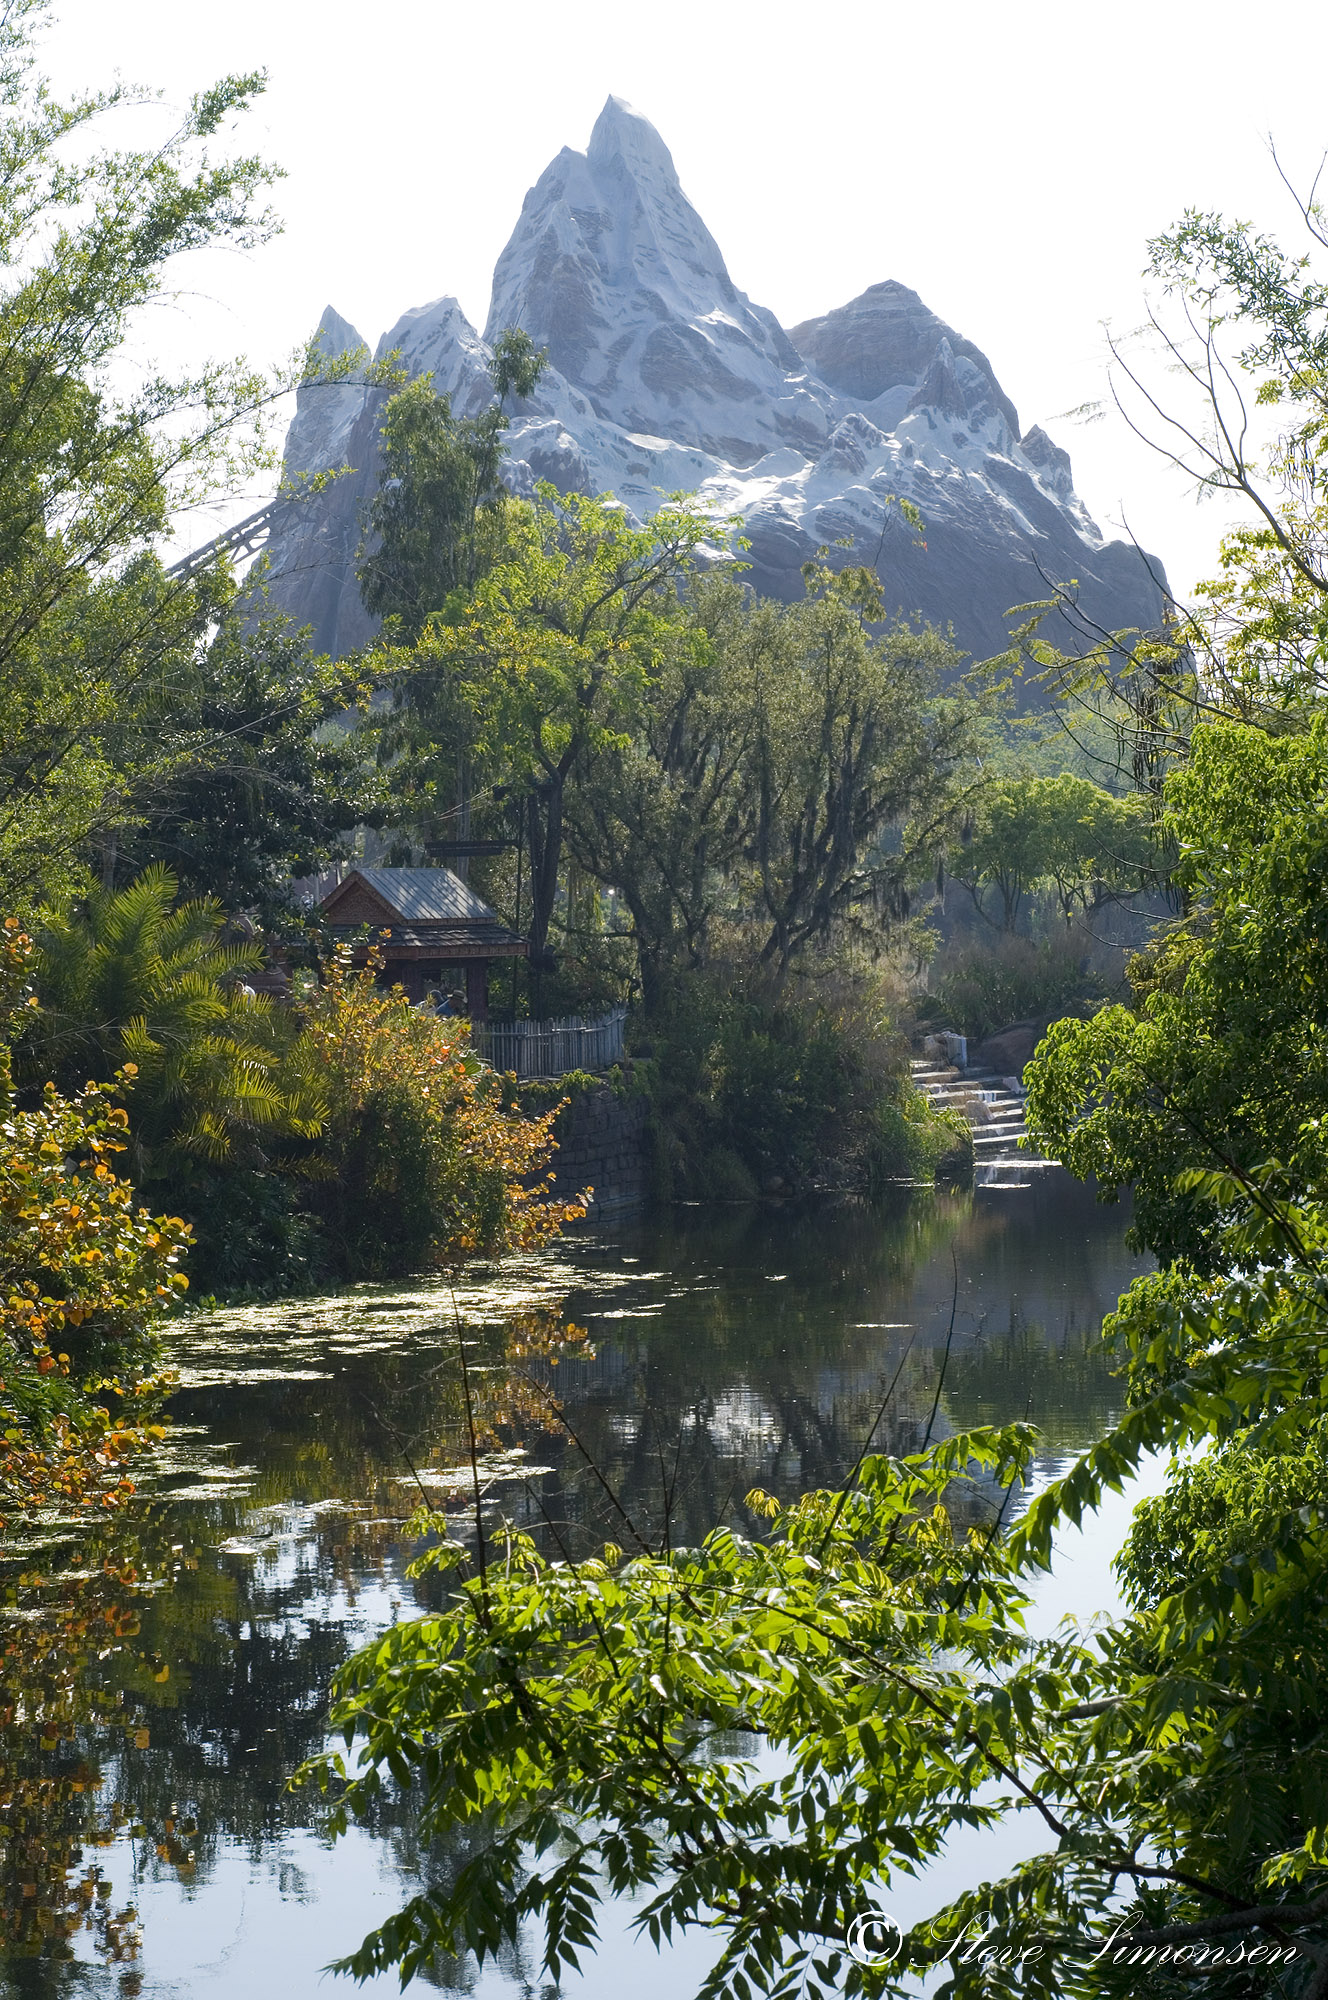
(163, 1676)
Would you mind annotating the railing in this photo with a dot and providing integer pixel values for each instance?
(551, 1048)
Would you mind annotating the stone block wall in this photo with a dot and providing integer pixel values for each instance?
(602, 1144)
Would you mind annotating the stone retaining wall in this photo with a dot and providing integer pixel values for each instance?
(602, 1144)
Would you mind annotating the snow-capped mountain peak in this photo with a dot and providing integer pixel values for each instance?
(611, 268)
(664, 376)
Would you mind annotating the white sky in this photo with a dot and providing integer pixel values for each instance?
(1008, 162)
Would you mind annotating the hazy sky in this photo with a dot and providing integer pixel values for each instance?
(1008, 162)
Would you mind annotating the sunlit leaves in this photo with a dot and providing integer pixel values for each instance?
(1221, 1061)
(424, 1166)
(83, 1270)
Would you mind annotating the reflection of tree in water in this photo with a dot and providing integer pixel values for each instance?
(1066, 1386)
(746, 1348)
(61, 1722)
(157, 1694)
(765, 1363)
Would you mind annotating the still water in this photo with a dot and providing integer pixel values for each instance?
(164, 1676)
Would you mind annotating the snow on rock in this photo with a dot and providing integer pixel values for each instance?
(325, 413)
(664, 377)
(879, 347)
(439, 340)
(612, 269)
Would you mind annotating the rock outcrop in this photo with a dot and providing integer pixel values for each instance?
(664, 377)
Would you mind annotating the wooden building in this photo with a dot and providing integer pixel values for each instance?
(434, 933)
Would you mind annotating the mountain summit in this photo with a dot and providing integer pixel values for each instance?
(664, 377)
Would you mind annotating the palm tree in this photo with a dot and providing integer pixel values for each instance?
(129, 985)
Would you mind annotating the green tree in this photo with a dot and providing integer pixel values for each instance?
(516, 365)
(656, 814)
(96, 452)
(852, 775)
(554, 651)
(1247, 322)
(1064, 831)
(781, 766)
(109, 663)
(1221, 1055)
(259, 777)
(435, 521)
(132, 983)
(1007, 849)
(1228, 379)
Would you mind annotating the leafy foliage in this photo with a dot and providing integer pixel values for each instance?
(436, 521)
(750, 1087)
(1221, 1057)
(880, 1658)
(133, 979)
(85, 1275)
(89, 467)
(420, 1164)
(854, 738)
(551, 654)
(1238, 323)
(994, 982)
(787, 769)
(259, 777)
(1063, 831)
(115, 694)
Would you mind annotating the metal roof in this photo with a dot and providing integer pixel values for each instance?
(423, 895)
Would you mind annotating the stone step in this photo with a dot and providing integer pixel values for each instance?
(996, 1117)
(987, 1114)
(970, 1094)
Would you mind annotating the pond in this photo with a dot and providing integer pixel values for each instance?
(165, 1674)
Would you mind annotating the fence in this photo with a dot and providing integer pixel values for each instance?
(551, 1048)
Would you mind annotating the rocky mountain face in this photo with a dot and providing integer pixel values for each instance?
(664, 377)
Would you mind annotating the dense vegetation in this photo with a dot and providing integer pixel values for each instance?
(789, 835)
(873, 1648)
(168, 767)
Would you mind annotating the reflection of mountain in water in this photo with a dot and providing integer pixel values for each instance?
(734, 1348)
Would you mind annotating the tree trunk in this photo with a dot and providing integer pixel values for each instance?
(461, 862)
(546, 846)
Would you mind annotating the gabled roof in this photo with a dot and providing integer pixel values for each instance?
(417, 895)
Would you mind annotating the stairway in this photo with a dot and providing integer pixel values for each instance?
(994, 1107)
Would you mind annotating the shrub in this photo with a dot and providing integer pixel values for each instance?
(750, 1086)
(556, 1096)
(984, 987)
(909, 1139)
(133, 979)
(219, 1086)
(85, 1276)
(421, 1163)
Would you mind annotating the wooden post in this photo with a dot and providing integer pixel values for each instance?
(477, 988)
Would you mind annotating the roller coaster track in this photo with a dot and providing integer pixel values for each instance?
(245, 538)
